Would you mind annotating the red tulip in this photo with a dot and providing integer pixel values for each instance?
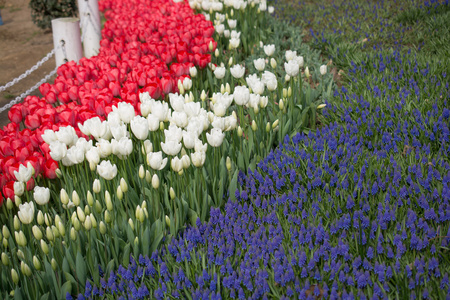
(8, 190)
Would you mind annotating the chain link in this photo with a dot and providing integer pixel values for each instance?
(28, 72)
(29, 91)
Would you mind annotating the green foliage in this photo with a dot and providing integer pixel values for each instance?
(44, 11)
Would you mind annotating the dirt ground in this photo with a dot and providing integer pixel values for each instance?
(22, 45)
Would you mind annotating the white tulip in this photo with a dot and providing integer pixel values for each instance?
(41, 195)
(161, 111)
(125, 110)
(234, 43)
(215, 138)
(104, 148)
(241, 95)
(189, 139)
(269, 50)
(198, 158)
(93, 156)
(122, 147)
(49, 136)
(174, 133)
(171, 147)
(219, 109)
(67, 135)
(193, 71)
(292, 68)
(139, 127)
(219, 28)
(258, 87)
(75, 155)
(186, 161)
(179, 118)
(323, 70)
(237, 71)
(187, 83)
(299, 60)
(219, 72)
(176, 102)
(176, 164)
(146, 107)
(259, 64)
(58, 150)
(107, 170)
(119, 131)
(290, 55)
(148, 146)
(24, 173)
(230, 123)
(270, 80)
(156, 161)
(19, 188)
(153, 122)
(26, 212)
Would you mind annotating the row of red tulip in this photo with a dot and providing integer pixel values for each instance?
(144, 48)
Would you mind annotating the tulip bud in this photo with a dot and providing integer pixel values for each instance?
(273, 63)
(17, 201)
(5, 243)
(90, 198)
(320, 106)
(5, 231)
(55, 231)
(307, 74)
(87, 210)
(80, 214)
(96, 186)
(180, 87)
(107, 217)
(203, 95)
(61, 229)
(222, 88)
(172, 193)
(25, 269)
(88, 223)
(281, 104)
(16, 223)
(58, 173)
(93, 220)
(228, 88)
(136, 241)
(275, 124)
(239, 131)
(49, 233)
(57, 219)
(54, 264)
(230, 61)
(167, 221)
(285, 92)
(77, 224)
(148, 176)
(287, 78)
(102, 227)
(141, 172)
(109, 205)
(254, 126)
(141, 215)
(14, 276)
(119, 193)
(20, 255)
(44, 247)
(216, 52)
(37, 233)
(5, 259)
(98, 207)
(36, 263)
(20, 238)
(73, 234)
(40, 218)
(289, 91)
(193, 72)
(161, 126)
(228, 163)
(47, 219)
(9, 204)
(75, 198)
(92, 166)
(155, 181)
(130, 222)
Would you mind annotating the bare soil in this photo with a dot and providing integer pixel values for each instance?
(22, 45)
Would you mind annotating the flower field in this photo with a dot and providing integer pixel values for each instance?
(207, 152)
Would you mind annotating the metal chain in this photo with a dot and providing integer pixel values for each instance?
(29, 91)
(28, 72)
(63, 47)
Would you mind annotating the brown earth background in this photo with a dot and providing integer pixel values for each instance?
(22, 45)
